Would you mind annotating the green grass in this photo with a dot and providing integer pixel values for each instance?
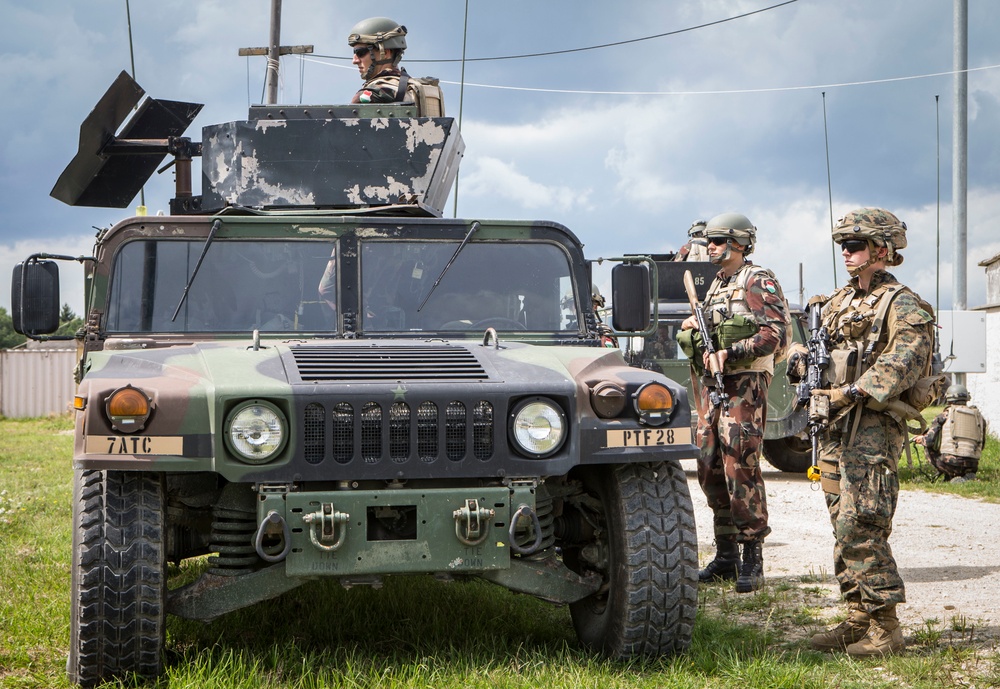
(416, 631)
(922, 475)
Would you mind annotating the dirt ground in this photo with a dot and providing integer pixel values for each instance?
(946, 548)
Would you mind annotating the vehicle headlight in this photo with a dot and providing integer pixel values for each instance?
(256, 431)
(128, 409)
(608, 399)
(538, 427)
(653, 403)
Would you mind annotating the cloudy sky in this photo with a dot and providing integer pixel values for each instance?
(625, 144)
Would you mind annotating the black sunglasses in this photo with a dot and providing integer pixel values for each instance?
(852, 246)
(362, 51)
(717, 241)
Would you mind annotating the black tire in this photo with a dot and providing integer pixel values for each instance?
(648, 603)
(791, 454)
(119, 577)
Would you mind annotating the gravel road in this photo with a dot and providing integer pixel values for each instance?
(944, 546)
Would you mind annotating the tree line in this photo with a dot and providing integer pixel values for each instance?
(69, 323)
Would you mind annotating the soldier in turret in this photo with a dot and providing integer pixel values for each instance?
(746, 309)
(881, 340)
(378, 45)
(956, 437)
(694, 249)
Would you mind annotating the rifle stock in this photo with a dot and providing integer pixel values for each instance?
(718, 396)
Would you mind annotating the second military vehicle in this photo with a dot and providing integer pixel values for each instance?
(786, 440)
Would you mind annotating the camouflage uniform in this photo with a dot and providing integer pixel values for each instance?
(730, 443)
(951, 456)
(869, 487)
(383, 88)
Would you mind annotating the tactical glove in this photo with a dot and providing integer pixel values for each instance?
(839, 398)
(797, 367)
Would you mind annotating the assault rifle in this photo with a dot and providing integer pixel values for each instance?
(817, 361)
(717, 395)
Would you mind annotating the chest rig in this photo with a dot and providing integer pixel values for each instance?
(856, 323)
(732, 319)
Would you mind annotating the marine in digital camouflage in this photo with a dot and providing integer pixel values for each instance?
(868, 453)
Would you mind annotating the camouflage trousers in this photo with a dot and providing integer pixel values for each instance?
(952, 466)
(862, 514)
(729, 464)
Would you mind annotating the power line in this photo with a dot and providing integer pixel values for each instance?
(773, 89)
(591, 47)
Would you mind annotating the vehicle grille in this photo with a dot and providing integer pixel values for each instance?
(387, 363)
(368, 431)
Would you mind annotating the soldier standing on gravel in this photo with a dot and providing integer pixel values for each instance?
(880, 333)
(745, 307)
(956, 437)
(378, 45)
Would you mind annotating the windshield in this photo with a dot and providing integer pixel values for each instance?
(505, 285)
(271, 286)
(287, 285)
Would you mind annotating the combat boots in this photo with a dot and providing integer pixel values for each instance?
(725, 566)
(850, 631)
(884, 636)
(751, 576)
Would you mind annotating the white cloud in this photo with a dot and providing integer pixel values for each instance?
(501, 181)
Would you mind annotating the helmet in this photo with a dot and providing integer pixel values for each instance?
(734, 226)
(697, 229)
(596, 297)
(382, 34)
(878, 226)
(956, 393)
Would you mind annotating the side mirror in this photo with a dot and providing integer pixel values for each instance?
(34, 296)
(630, 297)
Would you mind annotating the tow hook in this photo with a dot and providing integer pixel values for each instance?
(528, 512)
(273, 525)
(469, 521)
(328, 529)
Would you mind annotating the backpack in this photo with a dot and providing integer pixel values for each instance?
(930, 386)
(425, 92)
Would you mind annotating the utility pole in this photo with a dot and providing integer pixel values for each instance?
(274, 51)
(960, 161)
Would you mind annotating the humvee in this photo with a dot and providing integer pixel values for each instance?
(786, 439)
(306, 371)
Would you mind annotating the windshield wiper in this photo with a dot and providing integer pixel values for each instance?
(197, 266)
(475, 226)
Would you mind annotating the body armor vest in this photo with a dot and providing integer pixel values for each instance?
(728, 302)
(962, 432)
(854, 321)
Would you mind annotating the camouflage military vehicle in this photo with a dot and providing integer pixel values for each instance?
(305, 371)
(786, 440)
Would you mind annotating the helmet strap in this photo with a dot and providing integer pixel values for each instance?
(872, 258)
(724, 256)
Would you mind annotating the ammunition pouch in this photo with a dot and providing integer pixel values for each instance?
(829, 476)
(925, 391)
(841, 369)
(901, 412)
(733, 329)
(692, 344)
